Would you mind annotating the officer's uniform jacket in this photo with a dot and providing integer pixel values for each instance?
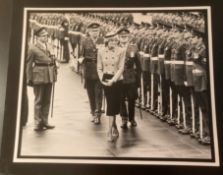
(144, 55)
(154, 56)
(89, 51)
(40, 66)
(63, 33)
(189, 65)
(74, 38)
(111, 62)
(132, 66)
(200, 73)
(161, 48)
(179, 63)
(167, 59)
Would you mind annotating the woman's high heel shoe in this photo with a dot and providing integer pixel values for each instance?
(110, 137)
(115, 132)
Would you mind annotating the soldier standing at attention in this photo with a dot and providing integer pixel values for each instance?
(201, 90)
(131, 76)
(41, 73)
(64, 40)
(88, 57)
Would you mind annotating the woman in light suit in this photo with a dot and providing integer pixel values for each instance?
(110, 66)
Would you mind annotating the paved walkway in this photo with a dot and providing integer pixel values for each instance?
(75, 135)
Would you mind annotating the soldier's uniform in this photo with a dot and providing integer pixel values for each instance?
(179, 78)
(167, 97)
(186, 99)
(173, 95)
(41, 73)
(88, 50)
(201, 93)
(188, 90)
(154, 75)
(64, 41)
(131, 76)
(163, 91)
(144, 58)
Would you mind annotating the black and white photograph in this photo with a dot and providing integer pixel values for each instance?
(117, 86)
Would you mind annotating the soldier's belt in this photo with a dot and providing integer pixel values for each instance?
(66, 38)
(177, 62)
(197, 72)
(146, 55)
(90, 60)
(189, 63)
(141, 53)
(154, 58)
(44, 64)
(167, 62)
(160, 56)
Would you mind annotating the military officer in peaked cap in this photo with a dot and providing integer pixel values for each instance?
(64, 41)
(41, 73)
(88, 53)
(131, 75)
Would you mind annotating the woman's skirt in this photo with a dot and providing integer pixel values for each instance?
(113, 98)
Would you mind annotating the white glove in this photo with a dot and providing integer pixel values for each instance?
(80, 60)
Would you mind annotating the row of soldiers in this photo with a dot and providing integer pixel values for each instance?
(195, 20)
(173, 82)
(174, 79)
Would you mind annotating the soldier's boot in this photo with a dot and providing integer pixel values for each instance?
(171, 121)
(133, 123)
(147, 107)
(195, 135)
(179, 126)
(205, 141)
(124, 123)
(185, 131)
(39, 127)
(97, 120)
(93, 116)
(163, 117)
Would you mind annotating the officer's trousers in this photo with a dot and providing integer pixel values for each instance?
(174, 100)
(66, 52)
(25, 107)
(129, 95)
(201, 100)
(184, 96)
(42, 94)
(166, 96)
(155, 91)
(146, 84)
(94, 91)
